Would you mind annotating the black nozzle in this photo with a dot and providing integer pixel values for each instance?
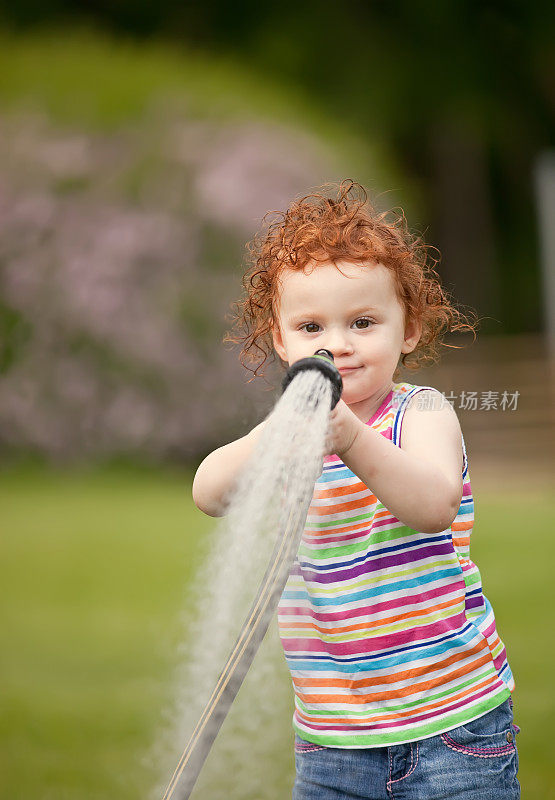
(322, 360)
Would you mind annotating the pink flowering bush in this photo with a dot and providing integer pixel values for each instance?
(120, 255)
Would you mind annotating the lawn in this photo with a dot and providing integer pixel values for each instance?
(95, 570)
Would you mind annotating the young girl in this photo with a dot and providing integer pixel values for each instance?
(402, 685)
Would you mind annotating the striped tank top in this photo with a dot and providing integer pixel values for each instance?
(386, 631)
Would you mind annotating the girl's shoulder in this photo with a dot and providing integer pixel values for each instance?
(409, 399)
(403, 395)
(426, 424)
(404, 399)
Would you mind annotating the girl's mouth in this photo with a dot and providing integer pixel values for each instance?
(346, 370)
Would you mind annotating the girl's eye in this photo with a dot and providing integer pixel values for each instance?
(362, 323)
(311, 327)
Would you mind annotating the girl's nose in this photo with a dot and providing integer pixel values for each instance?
(339, 343)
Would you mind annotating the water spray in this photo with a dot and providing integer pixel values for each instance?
(256, 623)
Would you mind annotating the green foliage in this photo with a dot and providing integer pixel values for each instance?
(15, 331)
(84, 78)
(96, 567)
(217, 245)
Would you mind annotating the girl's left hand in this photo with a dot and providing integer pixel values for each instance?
(342, 431)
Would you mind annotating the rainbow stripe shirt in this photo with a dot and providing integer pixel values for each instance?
(386, 631)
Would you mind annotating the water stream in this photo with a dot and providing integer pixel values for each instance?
(271, 497)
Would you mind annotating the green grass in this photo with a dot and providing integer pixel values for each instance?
(511, 543)
(94, 573)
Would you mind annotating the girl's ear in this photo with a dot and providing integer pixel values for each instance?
(413, 332)
(278, 342)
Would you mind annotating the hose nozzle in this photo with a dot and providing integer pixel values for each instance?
(322, 360)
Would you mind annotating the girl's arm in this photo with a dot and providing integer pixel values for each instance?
(217, 474)
(420, 482)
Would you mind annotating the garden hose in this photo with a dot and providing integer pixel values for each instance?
(256, 624)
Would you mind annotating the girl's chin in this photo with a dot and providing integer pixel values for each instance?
(352, 399)
(358, 398)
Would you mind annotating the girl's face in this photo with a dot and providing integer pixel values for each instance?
(352, 310)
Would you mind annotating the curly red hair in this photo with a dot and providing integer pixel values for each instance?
(318, 228)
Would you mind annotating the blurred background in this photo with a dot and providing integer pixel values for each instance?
(140, 146)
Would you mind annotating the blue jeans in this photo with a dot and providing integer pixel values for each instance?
(476, 761)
